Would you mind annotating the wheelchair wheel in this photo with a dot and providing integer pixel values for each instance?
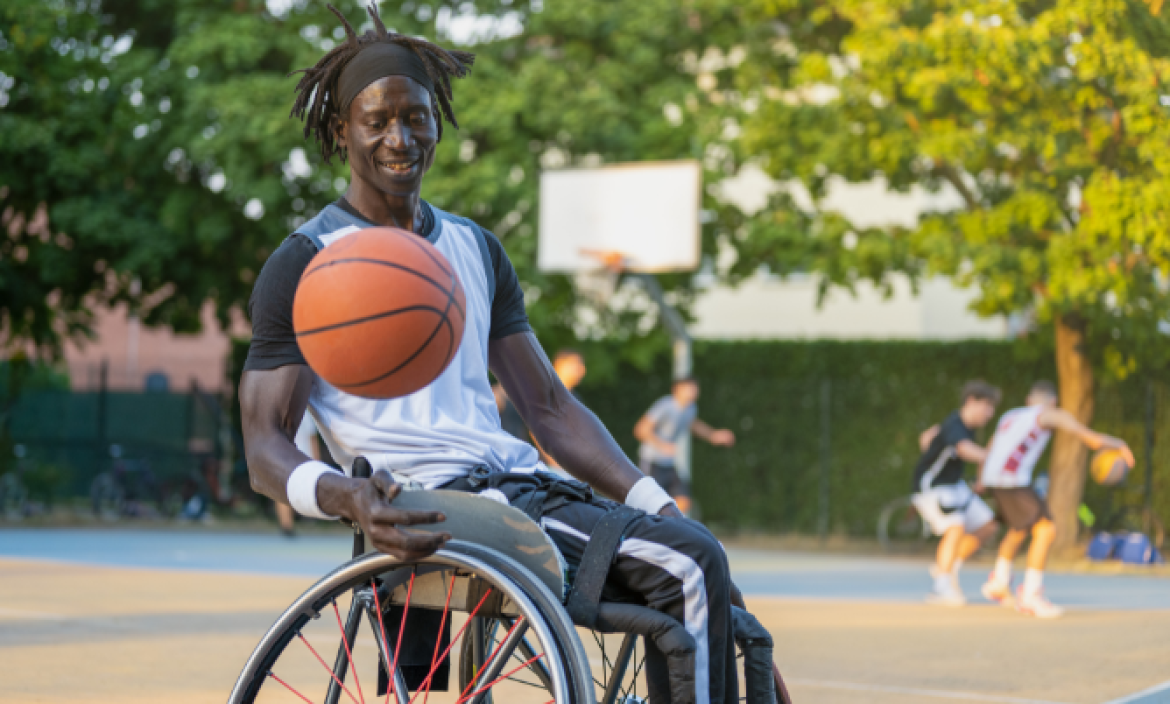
(618, 659)
(316, 653)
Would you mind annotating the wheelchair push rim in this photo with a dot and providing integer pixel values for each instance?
(292, 661)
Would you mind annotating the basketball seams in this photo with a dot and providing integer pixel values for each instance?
(370, 318)
(385, 263)
(359, 302)
(412, 357)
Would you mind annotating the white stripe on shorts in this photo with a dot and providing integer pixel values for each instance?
(694, 588)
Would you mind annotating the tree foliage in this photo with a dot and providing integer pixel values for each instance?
(1048, 119)
(157, 136)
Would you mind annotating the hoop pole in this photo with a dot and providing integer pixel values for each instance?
(676, 327)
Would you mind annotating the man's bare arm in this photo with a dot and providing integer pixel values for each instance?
(644, 432)
(969, 451)
(1060, 419)
(559, 422)
(272, 404)
(715, 436)
(927, 436)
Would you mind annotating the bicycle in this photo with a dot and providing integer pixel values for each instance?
(13, 496)
(14, 493)
(501, 596)
(900, 524)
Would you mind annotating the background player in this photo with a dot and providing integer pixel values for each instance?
(941, 495)
(1019, 441)
(570, 368)
(667, 421)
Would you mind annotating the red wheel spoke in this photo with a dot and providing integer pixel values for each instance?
(348, 653)
(327, 668)
(289, 688)
(499, 679)
(454, 640)
(401, 630)
(439, 640)
(492, 657)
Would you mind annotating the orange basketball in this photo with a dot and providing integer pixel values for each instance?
(380, 313)
(1108, 467)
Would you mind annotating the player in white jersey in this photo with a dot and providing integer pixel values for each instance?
(378, 101)
(1020, 439)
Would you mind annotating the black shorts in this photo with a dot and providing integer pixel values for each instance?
(1021, 507)
(667, 477)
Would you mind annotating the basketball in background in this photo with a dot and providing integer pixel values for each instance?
(379, 313)
(1109, 467)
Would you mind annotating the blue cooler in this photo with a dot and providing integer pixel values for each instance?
(1101, 547)
(1138, 549)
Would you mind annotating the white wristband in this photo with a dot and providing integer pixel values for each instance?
(648, 496)
(302, 489)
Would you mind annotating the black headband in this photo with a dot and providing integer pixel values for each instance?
(378, 61)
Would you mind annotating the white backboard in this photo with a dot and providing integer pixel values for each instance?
(649, 212)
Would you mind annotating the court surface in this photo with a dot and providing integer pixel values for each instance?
(151, 616)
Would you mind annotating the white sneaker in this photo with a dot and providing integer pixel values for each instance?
(1037, 605)
(946, 592)
(998, 592)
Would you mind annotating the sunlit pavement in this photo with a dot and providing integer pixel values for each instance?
(137, 616)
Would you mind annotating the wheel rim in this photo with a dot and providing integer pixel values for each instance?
(292, 662)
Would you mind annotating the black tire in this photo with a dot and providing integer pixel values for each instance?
(548, 622)
(900, 525)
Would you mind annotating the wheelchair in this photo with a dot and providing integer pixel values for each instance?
(481, 621)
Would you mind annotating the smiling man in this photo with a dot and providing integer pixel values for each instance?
(379, 100)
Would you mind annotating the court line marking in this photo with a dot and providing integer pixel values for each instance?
(940, 693)
(1144, 694)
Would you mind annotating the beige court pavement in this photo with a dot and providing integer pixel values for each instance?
(80, 634)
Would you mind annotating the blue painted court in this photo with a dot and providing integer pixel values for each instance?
(757, 572)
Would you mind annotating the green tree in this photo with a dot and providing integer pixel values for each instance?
(154, 140)
(1048, 119)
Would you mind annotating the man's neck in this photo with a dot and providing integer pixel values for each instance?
(403, 212)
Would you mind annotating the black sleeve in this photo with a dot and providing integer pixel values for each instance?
(954, 432)
(274, 344)
(508, 314)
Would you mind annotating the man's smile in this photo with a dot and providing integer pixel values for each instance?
(398, 167)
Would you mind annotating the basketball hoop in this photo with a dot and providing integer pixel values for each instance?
(611, 259)
(598, 284)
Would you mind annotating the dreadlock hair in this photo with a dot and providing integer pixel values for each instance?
(317, 103)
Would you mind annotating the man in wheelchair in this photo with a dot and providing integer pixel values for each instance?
(378, 100)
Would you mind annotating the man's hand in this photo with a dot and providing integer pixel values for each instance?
(723, 438)
(367, 502)
(978, 488)
(666, 448)
(1118, 444)
(927, 436)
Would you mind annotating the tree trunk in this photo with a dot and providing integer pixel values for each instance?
(1069, 456)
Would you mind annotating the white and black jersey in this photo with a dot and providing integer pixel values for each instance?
(941, 465)
(443, 431)
(941, 495)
